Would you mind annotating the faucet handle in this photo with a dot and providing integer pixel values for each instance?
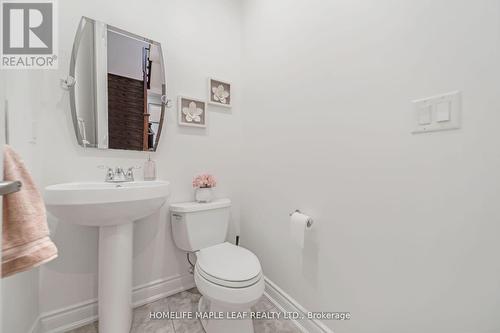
(130, 173)
(110, 174)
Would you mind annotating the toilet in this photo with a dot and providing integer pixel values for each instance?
(229, 277)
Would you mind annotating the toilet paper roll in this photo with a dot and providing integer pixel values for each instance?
(298, 226)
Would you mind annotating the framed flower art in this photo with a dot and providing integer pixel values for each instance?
(192, 112)
(219, 92)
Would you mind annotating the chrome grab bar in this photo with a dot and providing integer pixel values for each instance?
(8, 187)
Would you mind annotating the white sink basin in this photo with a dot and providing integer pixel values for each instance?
(113, 207)
(104, 204)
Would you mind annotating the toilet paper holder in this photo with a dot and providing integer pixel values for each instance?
(310, 221)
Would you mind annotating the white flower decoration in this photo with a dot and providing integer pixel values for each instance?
(219, 94)
(192, 113)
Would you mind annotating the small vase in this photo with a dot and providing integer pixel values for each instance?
(204, 194)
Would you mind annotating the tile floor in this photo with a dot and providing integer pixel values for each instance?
(188, 301)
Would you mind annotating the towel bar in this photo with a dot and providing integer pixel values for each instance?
(8, 187)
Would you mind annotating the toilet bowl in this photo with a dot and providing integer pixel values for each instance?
(231, 282)
(229, 277)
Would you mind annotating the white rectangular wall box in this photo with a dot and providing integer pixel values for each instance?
(437, 113)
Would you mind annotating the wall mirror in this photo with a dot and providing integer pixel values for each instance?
(117, 88)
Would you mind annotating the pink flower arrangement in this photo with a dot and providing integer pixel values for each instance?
(204, 181)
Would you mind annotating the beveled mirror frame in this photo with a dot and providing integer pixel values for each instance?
(71, 82)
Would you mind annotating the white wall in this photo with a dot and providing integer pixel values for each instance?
(20, 301)
(186, 30)
(406, 226)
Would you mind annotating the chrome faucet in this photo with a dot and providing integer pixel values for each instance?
(118, 175)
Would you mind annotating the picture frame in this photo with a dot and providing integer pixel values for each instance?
(219, 92)
(191, 112)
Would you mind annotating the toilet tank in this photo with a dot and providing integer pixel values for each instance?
(199, 225)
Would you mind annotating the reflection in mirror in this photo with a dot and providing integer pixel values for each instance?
(117, 101)
(84, 89)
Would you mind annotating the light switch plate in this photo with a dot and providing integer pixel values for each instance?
(437, 113)
(443, 111)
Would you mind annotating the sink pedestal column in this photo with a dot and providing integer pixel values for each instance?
(115, 278)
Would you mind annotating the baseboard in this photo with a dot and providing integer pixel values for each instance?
(285, 302)
(35, 328)
(161, 288)
(84, 313)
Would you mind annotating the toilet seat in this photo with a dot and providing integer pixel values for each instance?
(226, 283)
(229, 266)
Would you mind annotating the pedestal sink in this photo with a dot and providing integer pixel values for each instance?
(113, 207)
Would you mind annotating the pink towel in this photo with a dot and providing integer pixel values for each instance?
(25, 237)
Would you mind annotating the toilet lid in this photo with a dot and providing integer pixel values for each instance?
(228, 262)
